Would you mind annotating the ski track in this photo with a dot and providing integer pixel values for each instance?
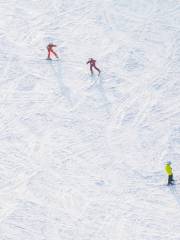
(82, 157)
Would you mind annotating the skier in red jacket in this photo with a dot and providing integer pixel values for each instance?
(92, 63)
(50, 47)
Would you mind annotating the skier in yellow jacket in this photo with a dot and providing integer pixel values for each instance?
(169, 171)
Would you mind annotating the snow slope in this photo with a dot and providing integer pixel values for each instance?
(80, 157)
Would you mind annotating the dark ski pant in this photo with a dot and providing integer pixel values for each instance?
(51, 51)
(91, 69)
(170, 179)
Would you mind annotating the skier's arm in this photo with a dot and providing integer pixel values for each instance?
(88, 62)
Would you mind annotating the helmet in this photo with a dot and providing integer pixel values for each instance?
(169, 162)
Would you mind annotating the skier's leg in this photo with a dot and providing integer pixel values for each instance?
(49, 53)
(170, 179)
(91, 69)
(55, 54)
(97, 69)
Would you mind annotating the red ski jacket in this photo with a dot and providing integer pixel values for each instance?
(92, 62)
(50, 46)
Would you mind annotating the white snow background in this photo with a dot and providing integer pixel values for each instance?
(81, 157)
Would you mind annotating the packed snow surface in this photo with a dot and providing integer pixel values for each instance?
(81, 157)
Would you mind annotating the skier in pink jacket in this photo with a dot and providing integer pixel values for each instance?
(50, 47)
(92, 63)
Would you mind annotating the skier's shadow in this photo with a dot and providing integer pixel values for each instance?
(99, 86)
(65, 91)
(175, 193)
